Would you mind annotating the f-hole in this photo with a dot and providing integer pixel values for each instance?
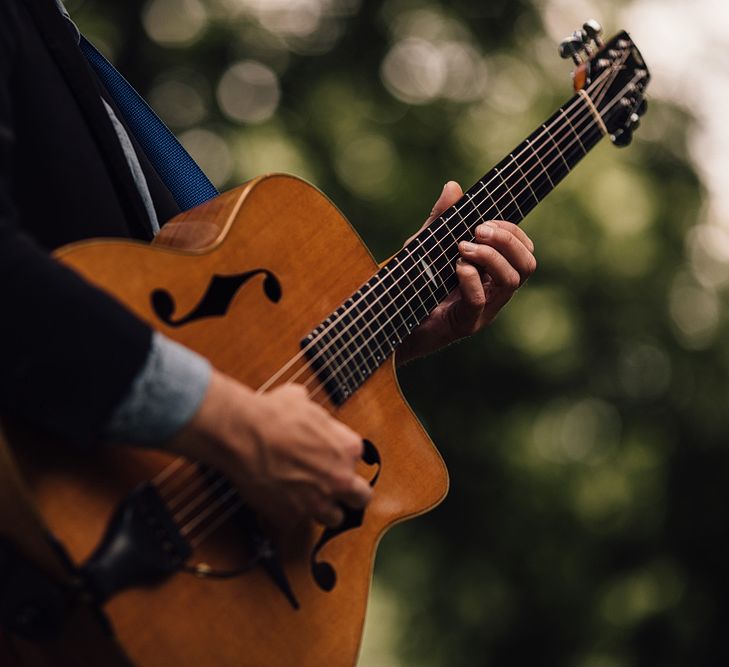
(217, 298)
(323, 572)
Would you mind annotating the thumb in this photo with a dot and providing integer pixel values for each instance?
(452, 192)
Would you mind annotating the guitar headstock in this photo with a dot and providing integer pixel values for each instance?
(614, 76)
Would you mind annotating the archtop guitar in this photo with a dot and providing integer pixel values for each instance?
(271, 284)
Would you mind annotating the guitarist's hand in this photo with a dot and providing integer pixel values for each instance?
(489, 272)
(284, 452)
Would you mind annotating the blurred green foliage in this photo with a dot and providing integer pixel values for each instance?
(585, 431)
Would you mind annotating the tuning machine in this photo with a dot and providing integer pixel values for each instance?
(624, 135)
(593, 30)
(579, 42)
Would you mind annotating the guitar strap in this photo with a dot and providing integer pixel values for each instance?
(181, 174)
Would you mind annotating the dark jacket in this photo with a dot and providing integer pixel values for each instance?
(68, 352)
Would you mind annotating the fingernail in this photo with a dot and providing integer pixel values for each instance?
(485, 231)
(466, 246)
(444, 187)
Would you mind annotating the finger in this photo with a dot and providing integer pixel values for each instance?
(466, 312)
(329, 514)
(492, 262)
(356, 493)
(451, 193)
(347, 439)
(516, 231)
(509, 246)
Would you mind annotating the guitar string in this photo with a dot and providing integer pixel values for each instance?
(330, 374)
(540, 146)
(172, 484)
(327, 374)
(206, 496)
(187, 528)
(571, 143)
(216, 523)
(238, 502)
(213, 497)
(164, 474)
(225, 508)
(407, 274)
(435, 226)
(346, 360)
(186, 497)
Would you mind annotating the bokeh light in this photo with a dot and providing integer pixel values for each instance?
(211, 152)
(248, 92)
(174, 22)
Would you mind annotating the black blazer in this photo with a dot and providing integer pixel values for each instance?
(68, 352)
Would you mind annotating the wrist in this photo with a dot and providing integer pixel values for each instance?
(221, 432)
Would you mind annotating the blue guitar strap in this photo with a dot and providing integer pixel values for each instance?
(181, 174)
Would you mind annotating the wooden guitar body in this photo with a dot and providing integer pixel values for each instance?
(276, 230)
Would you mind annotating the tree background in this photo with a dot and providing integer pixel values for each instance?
(585, 431)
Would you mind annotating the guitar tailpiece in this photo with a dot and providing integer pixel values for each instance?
(142, 545)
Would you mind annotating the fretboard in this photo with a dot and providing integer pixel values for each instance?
(347, 347)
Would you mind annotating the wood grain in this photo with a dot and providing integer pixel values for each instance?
(283, 225)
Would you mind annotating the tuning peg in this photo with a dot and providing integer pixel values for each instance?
(593, 30)
(570, 47)
(642, 107)
(622, 137)
(583, 37)
(634, 121)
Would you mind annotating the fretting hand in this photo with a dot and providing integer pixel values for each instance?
(489, 272)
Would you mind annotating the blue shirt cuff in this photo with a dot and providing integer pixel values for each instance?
(164, 395)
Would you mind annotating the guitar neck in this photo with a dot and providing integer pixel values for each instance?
(347, 347)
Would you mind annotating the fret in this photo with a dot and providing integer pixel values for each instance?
(383, 324)
(374, 309)
(538, 159)
(403, 283)
(509, 194)
(482, 200)
(590, 132)
(550, 138)
(478, 211)
(436, 259)
(354, 359)
(498, 195)
(418, 284)
(572, 127)
(527, 176)
(357, 338)
(445, 231)
(428, 295)
(321, 353)
(393, 307)
(466, 225)
(329, 350)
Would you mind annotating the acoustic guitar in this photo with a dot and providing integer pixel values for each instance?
(271, 283)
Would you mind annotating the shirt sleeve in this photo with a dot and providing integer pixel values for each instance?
(164, 395)
(68, 351)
